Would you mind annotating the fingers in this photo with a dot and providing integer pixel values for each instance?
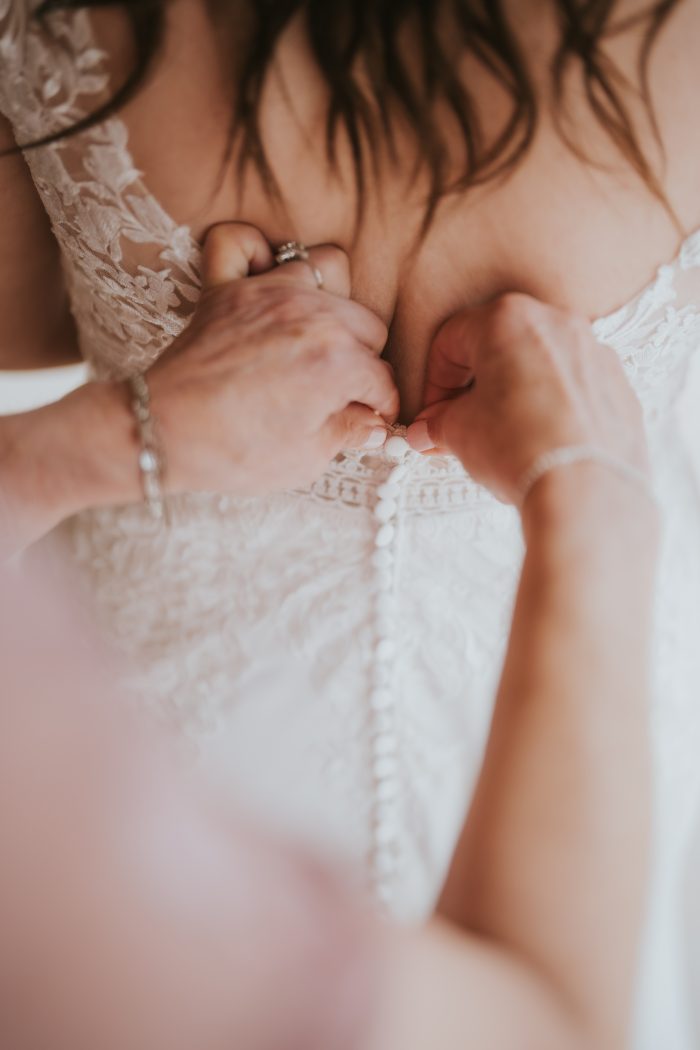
(356, 426)
(366, 327)
(425, 433)
(452, 357)
(233, 250)
(334, 266)
(431, 431)
(326, 261)
(370, 381)
(358, 320)
(420, 437)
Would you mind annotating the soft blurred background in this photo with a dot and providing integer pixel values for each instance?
(24, 390)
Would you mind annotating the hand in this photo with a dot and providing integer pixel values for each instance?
(269, 381)
(516, 378)
(273, 377)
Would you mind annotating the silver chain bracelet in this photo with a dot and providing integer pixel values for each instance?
(151, 458)
(570, 454)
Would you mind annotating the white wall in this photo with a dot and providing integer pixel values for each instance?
(22, 390)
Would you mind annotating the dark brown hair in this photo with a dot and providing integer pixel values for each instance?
(371, 83)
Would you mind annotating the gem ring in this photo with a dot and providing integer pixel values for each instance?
(294, 251)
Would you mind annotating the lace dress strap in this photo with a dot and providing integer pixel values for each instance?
(132, 271)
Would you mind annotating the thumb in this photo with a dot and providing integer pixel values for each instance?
(428, 432)
(233, 250)
(453, 355)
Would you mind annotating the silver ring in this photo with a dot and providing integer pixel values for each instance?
(295, 251)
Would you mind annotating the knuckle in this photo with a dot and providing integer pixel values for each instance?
(226, 235)
(336, 351)
(516, 306)
(340, 341)
(287, 307)
(242, 230)
(515, 314)
(323, 353)
(213, 309)
(506, 316)
(232, 296)
(217, 237)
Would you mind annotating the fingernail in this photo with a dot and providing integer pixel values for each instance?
(419, 437)
(376, 439)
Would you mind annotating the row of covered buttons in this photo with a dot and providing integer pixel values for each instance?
(384, 757)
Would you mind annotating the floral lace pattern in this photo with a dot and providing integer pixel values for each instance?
(132, 272)
(250, 623)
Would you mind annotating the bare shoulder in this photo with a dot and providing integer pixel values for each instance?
(35, 324)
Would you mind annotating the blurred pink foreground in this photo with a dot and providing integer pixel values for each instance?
(134, 913)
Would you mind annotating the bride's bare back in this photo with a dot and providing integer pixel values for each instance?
(583, 237)
(268, 627)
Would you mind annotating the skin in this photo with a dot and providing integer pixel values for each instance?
(573, 692)
(270, 380)
(523, 234)
(135, 912)
(517, 950)
(560, 811)
(559, 815)
(515, 336)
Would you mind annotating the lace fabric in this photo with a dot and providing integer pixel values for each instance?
(118, 245)
(134, 271)
(254, 626)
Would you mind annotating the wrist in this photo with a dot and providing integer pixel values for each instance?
(100, 457)
(590, 502)
(76, 453)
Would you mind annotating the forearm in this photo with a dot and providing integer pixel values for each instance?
(55, 461)
(552, 860)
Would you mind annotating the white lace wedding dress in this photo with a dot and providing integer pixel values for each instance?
(331, 654)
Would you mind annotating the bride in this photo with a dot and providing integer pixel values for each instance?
(326, 630)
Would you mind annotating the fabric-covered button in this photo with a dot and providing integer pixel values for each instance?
(385, 509)
(385, 766)
(384, 536)
(388, 490)
(397, 447)
(397, 474)
(385, 650)
(381, 699)
(382, 558)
